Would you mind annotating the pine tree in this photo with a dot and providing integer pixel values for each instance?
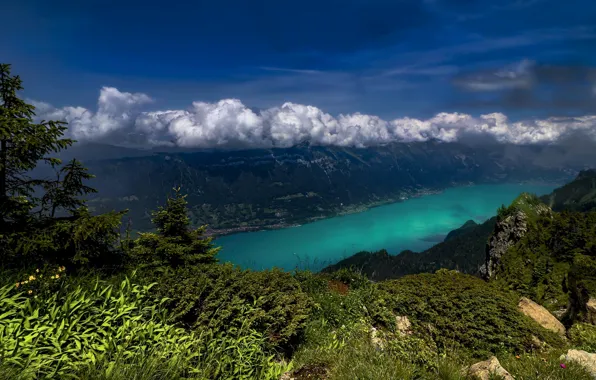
(176, 243)
(55, 227)
(23, 144)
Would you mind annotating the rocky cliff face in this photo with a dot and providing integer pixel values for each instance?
(511, 227)
(508, 231)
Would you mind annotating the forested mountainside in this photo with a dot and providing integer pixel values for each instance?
(303, 183)
(579, 195)
(464, 249)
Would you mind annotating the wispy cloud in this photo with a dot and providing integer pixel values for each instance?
(423, 71)
(296, 71)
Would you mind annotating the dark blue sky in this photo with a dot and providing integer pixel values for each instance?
(415, 58)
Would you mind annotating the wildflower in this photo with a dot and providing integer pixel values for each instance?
(30, 291)
(37, 270)
(563, 365)
(57, 275)
(18, 283)
(517, 356)
(31, 278)
(25, 282)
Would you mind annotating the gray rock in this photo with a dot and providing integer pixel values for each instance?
(583, 358)
(483, 370)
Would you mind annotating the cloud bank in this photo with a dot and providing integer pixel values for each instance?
(229, 124)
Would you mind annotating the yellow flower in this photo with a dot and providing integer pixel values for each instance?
(57, 275)
(25, 282)
(31, 278)
(18, 283)
(37, 270)
(30, 291)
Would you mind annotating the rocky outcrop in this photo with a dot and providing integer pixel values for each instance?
(583, 358)
(508, 231)
(376, 339)
(403, 325)
(541, 315)
(510, 228)
(591, 307)
(484, 370)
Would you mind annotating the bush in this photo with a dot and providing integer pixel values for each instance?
(345, 297)
(459, 311)
(583, 336)
(212, 296)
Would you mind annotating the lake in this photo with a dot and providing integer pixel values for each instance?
(414, 224)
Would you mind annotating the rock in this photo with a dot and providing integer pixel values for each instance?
(591, 308)
(483, 370)
(507, 232)
(404, 327)
(583, 358)
(375, 339)
(286, 376)
(541, 315)
(537, 344)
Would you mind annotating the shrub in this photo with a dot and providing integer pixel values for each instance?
(175, 243)
(459, 311)
(212, 295)
(583, 336)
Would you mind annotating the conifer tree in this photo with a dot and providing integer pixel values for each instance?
(176, 243)
(23, 144)
(55, 226)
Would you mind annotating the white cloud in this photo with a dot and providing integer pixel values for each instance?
(230, 124)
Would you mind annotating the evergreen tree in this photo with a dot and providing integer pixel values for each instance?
(176, 243)
(56, 226)
(23, 144)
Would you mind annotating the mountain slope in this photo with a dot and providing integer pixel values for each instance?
(578, 195)
(296, 185)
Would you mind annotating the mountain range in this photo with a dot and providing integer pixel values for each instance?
(259, 188)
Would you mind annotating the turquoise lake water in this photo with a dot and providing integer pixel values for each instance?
(415, 224)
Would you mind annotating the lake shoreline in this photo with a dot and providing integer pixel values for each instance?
(355, 209)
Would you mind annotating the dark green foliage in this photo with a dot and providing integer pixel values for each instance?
(552, 262)
(214, 295)
(175, 243)
(45, 221)
(583, 336)
(23, 143)
(80, 240)
(463, 312)
(64, 193)
(578, 195)
(361, 301)
(468, 225)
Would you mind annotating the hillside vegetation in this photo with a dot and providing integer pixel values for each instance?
(82, 298)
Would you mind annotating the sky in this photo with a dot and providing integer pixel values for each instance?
(273, 73)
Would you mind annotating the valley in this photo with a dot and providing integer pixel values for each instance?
(234, 191)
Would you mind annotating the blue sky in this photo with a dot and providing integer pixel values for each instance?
(525, 58)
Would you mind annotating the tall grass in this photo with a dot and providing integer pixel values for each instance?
(111, 331)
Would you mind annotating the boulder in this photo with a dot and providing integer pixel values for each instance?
(591, 308)
(583, 358)
(403, 324)
(483, 370)
(375, 339)
(541, 315)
